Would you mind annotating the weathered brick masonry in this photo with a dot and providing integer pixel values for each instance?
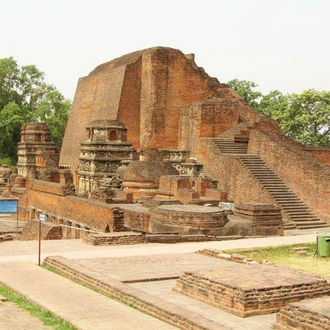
(167, 102)
(142, 301)
(260, 291)
(301, 171)
(49, 198)
(311, 314)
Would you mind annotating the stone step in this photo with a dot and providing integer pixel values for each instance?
(223, 148)
(233, 146)
(232, 151)
(288, 201)
(294, 207)
(271, 184)
(300, 212)
(297, 211)
(265, 174)
(281, 193)
(303, 218)
(276, 185)
(251, 156)
(270, 179)
(289, 225)
(311, 225)
(258, 165)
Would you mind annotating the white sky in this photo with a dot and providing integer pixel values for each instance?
(278, 44)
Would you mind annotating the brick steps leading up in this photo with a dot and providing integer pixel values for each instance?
(296, 211)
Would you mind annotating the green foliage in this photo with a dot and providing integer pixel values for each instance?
(273, 104)
(25, 97)
(307, 118)
(54, 111)
(304, 117)
(43, 315)
(245, 89)
(7, 161)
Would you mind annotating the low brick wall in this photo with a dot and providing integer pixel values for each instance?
(312, 314)
(167, 312)
(124, 238)
(225, 256)
(129, 238)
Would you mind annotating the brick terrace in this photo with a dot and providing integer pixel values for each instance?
(262, 289)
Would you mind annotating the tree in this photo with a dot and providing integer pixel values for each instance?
(54, 111)
(307, 118)
(11, 120)
(245, 89)
(273, 104)
(25, 97)
(304, 117)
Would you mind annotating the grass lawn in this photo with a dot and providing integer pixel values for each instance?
(286, 255)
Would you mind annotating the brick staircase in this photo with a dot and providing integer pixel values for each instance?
(234, 140)
(294, 210)
(298, 214)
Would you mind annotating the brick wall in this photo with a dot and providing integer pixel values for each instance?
(45, 197)
(323, 154)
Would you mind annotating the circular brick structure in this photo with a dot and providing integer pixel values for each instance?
(187, 219)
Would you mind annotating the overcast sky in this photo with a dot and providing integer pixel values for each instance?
(278, 44)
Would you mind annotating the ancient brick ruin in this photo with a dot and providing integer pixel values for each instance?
(153, 126)
(262, 290)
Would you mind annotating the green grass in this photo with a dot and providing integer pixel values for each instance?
(287, 256)
(43, 315)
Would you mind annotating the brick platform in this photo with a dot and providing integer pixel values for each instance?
(311, 314)
(246, 290)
